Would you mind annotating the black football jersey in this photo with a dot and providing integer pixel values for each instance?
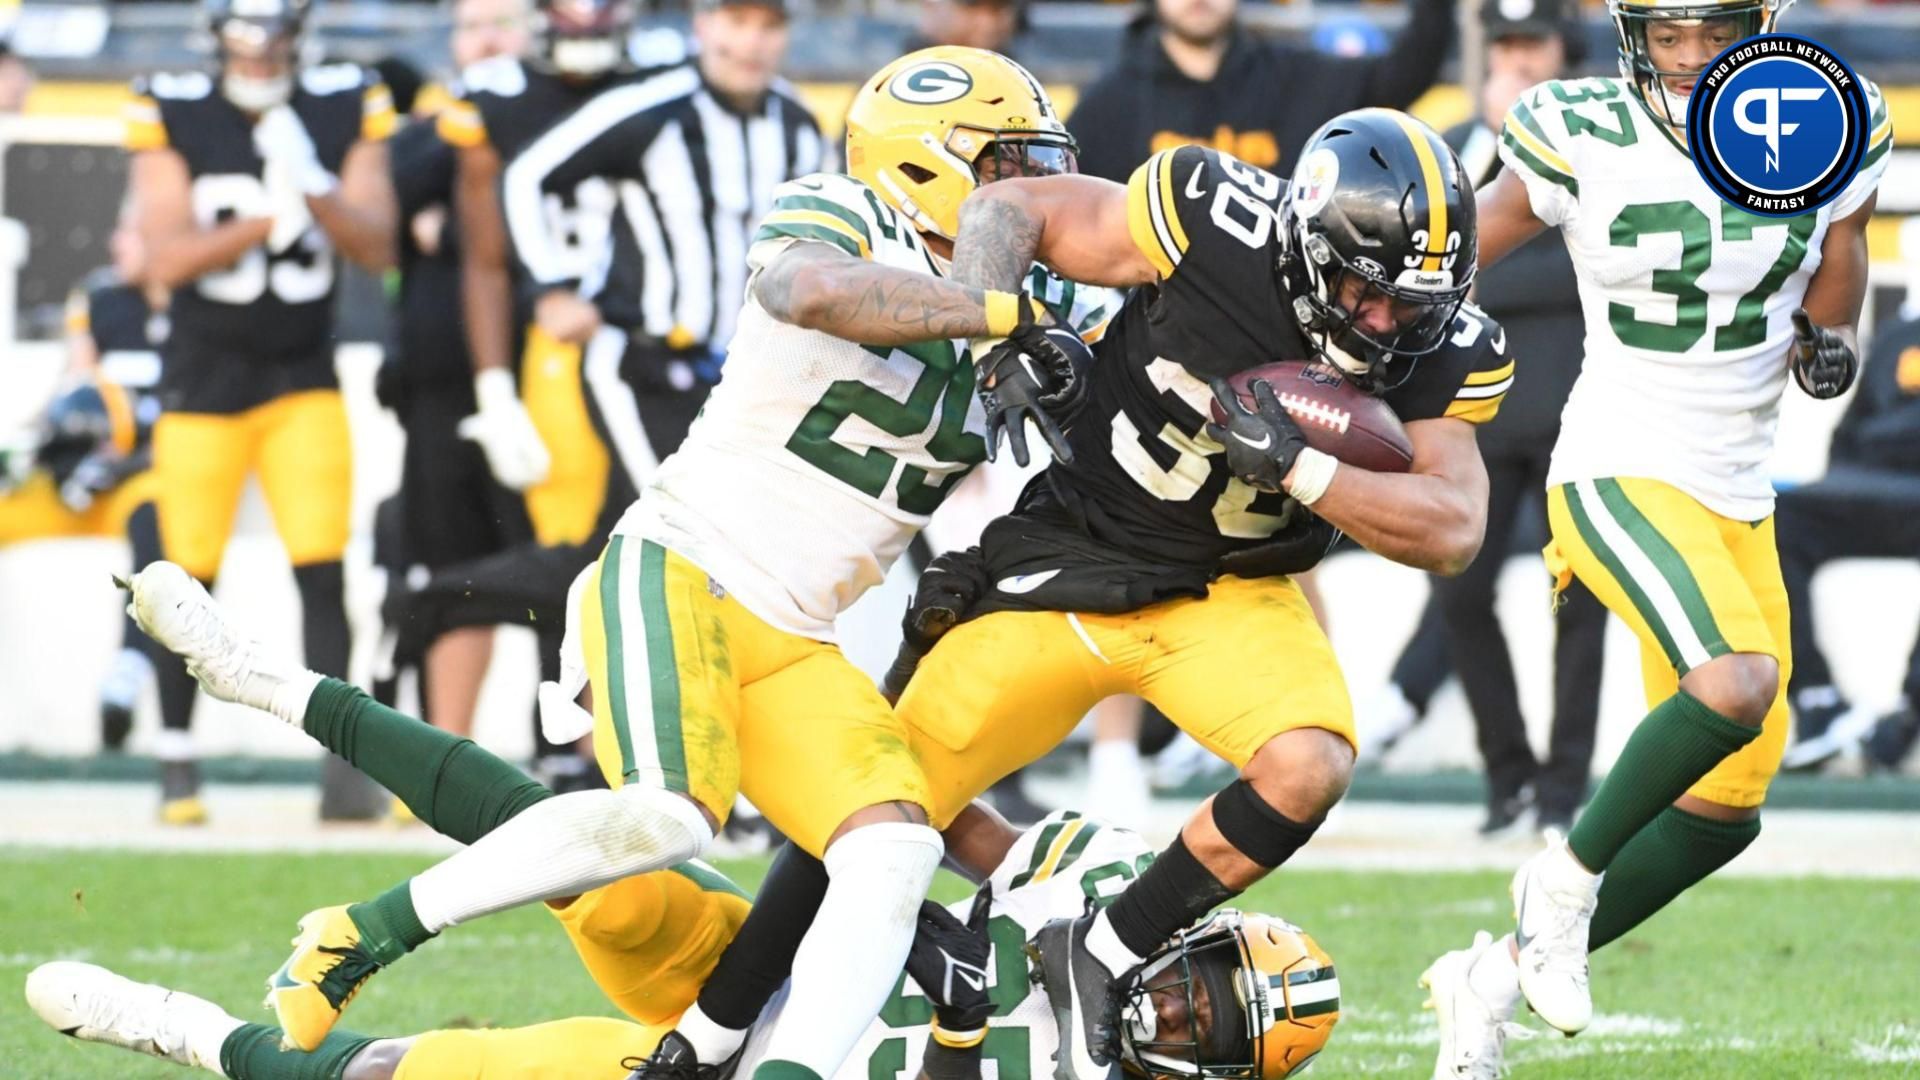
(504, 103)
(262, 327)
(1146, 480)
(128, 336)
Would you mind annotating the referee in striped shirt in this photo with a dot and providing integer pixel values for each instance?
(694, 154)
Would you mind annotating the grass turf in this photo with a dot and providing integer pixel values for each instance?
(1743, 979)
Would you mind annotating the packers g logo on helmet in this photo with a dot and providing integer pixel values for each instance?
(933, 83)
(935, 124)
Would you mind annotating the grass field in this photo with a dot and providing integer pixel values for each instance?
(1745, 979)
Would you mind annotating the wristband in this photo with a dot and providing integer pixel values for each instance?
(958, 1040)
(1003, 312)
(1312, 475)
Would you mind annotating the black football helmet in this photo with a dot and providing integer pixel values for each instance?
(1378, 245)
(583, 39)
(265, 32)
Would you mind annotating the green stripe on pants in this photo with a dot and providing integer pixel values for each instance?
(664, 671)
(616, 652)
(1648, 613)
(1660, 551)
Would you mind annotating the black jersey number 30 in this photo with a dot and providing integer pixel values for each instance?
(302, 275)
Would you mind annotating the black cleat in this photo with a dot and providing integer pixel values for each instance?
(1892, 737)
(1081, 990)
(674, 1059)
(1507, 814)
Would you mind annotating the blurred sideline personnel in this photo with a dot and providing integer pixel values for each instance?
(1660, 499)
(89, 473)
(16, 80)
(1189, 73)
(1533, 295)
(450, 508)
(1243, 995)
(1867, 505)
(248, 183)
(976, 24)
(691, 155)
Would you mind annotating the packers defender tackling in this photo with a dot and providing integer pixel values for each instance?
(1697, 313)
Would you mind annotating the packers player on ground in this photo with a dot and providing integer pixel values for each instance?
(1244, 995)
(846, 414)
(248, 184)
(1659, 499)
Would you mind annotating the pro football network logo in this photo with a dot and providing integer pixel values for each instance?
(1778, 125)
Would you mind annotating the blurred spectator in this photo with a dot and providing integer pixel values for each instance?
(1534, 296)
(979, 24)
(1189, 73)
(1867, 505)
(16, 80)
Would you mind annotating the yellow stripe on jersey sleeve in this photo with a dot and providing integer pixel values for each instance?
(786, 222)
(460, 125)
(79, 319)
(1057, 851)
(1522, 132)
(1480, 394)
(377, 118)
(1147, 192)
(144, 128)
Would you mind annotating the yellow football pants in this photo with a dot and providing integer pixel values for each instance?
(33, 511)
(1693, 586)
(694, 693)
(582, 1048)
(300, 445)
(564, 506)
(1233, 669)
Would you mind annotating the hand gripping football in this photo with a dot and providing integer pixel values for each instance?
(1336, 417)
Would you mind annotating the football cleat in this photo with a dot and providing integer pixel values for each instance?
(1083, 995)
(328, 967)
(1553, 901)
(176, 611)
(180, 794)
(675, 1059)
(95, 1005)
(1473, 1030)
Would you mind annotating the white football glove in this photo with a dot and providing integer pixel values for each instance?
(505, 432)
(281, 138)
(286, 205)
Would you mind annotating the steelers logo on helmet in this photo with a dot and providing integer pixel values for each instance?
(933, 83)
(1314, 180)
(1778, 125)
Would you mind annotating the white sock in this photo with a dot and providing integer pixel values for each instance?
(1495, 976)
(854, 951)
(171, 744)
(712, 1042)
(1117, 789)
(288, 697)
(1106, 946)
(561, 847)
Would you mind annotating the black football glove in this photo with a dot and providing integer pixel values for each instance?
(1262, 444)
(949, 960)
(1823, 364)
(1295, 549)
(948, 588)
(1027, 377)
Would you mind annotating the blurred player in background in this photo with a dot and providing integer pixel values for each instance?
(450, 507)
(91, 475)
(248, 184)
(1659, 497)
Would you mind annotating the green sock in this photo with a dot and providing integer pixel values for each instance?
(252, 1052)
(1679, 742)
(776, 1069)
(389, 927)
(1676, 851)
(451, 783)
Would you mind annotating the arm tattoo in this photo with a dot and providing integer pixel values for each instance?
(997, 241)
(820, 288)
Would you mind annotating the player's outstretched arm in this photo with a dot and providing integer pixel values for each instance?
(1432, 517)
(816, 286)
(486, 289)
(1076, 225)
(178, 251)
(1506, 217)
(360, 215)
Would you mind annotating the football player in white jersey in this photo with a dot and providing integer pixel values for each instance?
(1697, 313)
(707, 626)
(1245, 996)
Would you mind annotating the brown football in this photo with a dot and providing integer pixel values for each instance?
(1337, 417)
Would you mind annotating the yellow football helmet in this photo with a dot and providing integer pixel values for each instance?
(935, 124)
(1267, 994)
(1631, 19)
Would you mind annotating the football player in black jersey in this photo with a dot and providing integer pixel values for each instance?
(1149, 564)
(249, 183)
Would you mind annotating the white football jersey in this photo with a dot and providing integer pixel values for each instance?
(1687, 298)
(816, 459)
(1052, 871)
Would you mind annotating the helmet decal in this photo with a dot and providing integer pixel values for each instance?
(932, 83)
(1314, 181)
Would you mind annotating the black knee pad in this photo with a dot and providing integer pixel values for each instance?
(1257, 830)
